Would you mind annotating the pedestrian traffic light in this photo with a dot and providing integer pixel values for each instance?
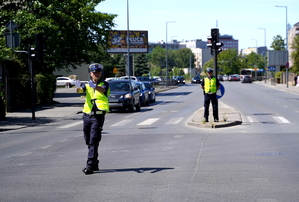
(40, 45)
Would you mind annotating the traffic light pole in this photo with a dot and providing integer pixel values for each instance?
(215, 63)
(31, 69)
(215, 47)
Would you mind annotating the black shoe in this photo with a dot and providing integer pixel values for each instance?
(216, 120)
(87, 171)
(95, 167)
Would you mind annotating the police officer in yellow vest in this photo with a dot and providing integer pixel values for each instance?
(95, 107)
(210, 85)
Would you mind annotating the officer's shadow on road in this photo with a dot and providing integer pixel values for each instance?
(137, 170)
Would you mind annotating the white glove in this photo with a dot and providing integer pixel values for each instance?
(91, 84)
(78, 83)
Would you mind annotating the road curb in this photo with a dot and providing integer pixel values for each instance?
(233, 118)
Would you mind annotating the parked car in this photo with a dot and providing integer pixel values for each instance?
(152, 80)
(151, 89)
(220, 77)
(178, 79)
(131, 77)
(65, 81)
(144, 94)
(124, 94)
(246, 79)
(112, 78)
(195, 79)
(233, 78)
(225, 78)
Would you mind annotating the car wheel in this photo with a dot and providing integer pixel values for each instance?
(138, 106)
(147, 102)
(131, 108)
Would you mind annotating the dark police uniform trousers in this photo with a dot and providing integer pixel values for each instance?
(211, 98)
(92, 128)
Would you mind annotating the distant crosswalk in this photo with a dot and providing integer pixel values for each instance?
(149, 121)
(174, 121)
(275, 119)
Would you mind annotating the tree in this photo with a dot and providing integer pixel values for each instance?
(73, 32)
(72, 29)
(182, 58)
(141, 64)
(228, 62)
(278, 43)
(295, 54)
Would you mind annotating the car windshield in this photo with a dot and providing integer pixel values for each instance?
(139, 86)
(147, 85)
(119, 86)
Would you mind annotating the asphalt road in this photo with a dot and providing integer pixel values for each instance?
(152, 155)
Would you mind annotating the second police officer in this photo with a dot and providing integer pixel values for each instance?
(210, 85)
(95, 107)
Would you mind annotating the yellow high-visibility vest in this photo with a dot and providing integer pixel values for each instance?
(101, 101)
(210, 85)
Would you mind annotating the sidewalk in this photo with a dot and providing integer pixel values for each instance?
(47, 114)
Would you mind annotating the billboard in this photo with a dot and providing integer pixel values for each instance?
(138, 41)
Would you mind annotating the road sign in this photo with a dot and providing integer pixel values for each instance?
(11, 26)
(115, 70)
(272, 68)
(220, 92)
(12, 40)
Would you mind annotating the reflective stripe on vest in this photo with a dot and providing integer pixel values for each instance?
(210, 85)
(101, 99)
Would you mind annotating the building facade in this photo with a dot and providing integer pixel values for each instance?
(291, 35)
(229, 42)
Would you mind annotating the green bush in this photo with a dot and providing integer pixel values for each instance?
(45, 88)
(277, 74)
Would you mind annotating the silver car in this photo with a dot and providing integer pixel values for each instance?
(65, 81)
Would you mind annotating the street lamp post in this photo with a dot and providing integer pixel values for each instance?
(287, 63)
(255, 45)
(257, 52)
(128, 42)
(264, 35)
(265, 48)
(167, 52)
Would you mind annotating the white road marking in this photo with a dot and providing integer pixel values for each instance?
(148, 121)
(26, 154)
(64, 140)
(281, 119)
(122, 123)
(71, 124)
(249, 119)
(46, 147)
(174, 120)
(178, 136)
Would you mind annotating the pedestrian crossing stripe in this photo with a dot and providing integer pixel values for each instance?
(148, 121)
(174, 120)
(123, 122)
(281, 119)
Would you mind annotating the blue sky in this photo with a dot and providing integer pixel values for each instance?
(194, 19)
